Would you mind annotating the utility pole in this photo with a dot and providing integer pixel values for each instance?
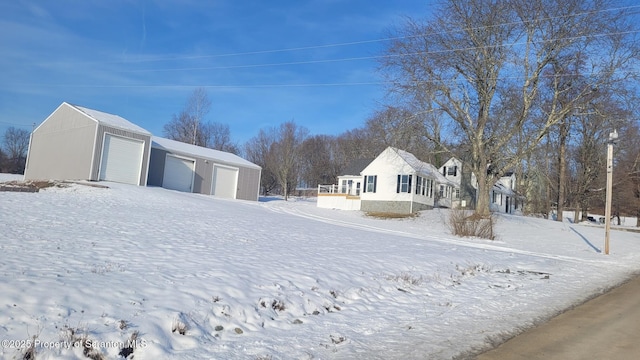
(607, 211)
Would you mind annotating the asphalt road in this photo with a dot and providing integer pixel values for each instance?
(606, 327)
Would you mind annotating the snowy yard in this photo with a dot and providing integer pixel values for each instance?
(197, 277)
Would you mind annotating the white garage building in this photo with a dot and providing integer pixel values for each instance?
(184, 167)
(76, 143)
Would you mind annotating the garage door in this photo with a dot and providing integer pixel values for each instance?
(225, 180)
(178, 173)
(121, 159)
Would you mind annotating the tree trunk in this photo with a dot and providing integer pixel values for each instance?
(576, 213)
(484, 188)
(562, 169)
(585, 211)
(286, 191)
(547, 198)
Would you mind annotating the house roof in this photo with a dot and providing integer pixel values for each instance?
(200, 152)
(422, 167)
(356, 166)
(111, 120)
(499, 187)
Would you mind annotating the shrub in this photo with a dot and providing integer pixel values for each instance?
(30, 351)
(464, 224)
(407, 279)
(179, 325)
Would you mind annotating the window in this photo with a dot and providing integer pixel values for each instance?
(424, 186)
(427, 187)
(370, 183)
(457, 193)
(445, 191)
(404, 184)
(358, 189)
(344, 187)
(452, 170)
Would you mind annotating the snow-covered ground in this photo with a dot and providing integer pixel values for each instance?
(198, 277)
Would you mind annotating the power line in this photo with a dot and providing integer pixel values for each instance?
(230, 67)
(258, 65)
(257, 86)
(329, 60)
(313, 47)
(350, 43)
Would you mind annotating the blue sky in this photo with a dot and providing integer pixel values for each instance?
(262, 62)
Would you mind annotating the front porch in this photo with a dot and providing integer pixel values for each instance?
(338, 197)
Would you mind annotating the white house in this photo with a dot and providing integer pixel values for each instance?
(346, 194)
(395, 181)
(452, 171)
(504, 197)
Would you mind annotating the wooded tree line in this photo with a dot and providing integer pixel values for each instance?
(13, 150)
(531, 86)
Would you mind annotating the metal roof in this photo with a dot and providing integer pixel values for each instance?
(111, 120)
(200, 152)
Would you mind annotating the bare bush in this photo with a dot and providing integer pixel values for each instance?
(466, 224)
(407, 279)
(179, 325)
(30, 351)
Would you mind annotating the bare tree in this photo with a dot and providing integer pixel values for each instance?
(473, 51)
(257, 150)
(220, 138)
(399, 128)
(3, 161)
(627, 172)
(356, 144)
(284, 155)
(190, 126)
(16, 145)
(589, 163)
(319, 160)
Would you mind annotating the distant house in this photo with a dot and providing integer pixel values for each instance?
(184, 167)
(504, 198)
(395, 182)
(76, 143)
(464, 190)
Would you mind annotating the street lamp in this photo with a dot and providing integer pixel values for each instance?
(607, 211)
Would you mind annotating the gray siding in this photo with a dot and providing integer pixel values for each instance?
(203, 177)
(248, 178)
(399, 207)
(156, 167)
(102, 129)
(248, 184)
(61, 147)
